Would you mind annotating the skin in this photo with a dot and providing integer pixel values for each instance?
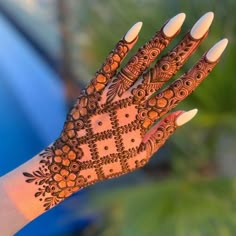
(112, 128)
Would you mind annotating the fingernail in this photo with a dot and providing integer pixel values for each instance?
(215, 52)
(174, 25)
(133, 32)
(185, 117)
(202, 25)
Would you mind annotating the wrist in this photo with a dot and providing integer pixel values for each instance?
(11, 217)
(20, 192)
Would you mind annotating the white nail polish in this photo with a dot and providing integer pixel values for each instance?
(185, 117)
(215, 52)
(133, 32)
(174, 24)
(202, 25)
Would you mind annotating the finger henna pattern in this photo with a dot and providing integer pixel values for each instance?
(137, 65)
(109, 67)
(111, 129)
(165, 68)
(170, 97)
(144, 57)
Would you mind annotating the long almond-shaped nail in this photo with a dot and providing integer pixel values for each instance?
(185, 117)
(174, 24)
(202, 25)
(215, 52)
(133, 32)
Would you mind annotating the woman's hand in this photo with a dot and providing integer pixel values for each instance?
(112, 128)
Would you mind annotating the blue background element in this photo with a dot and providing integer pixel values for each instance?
(33, 110)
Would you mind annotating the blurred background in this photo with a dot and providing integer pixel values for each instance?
(50, 49)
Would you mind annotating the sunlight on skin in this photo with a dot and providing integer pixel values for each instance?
(113, 128)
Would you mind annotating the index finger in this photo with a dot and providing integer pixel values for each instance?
(112, 62)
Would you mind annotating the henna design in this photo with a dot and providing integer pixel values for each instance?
(166, 67)
(109, 68)
(138, 64)
(88, 100)
(169, 98)
(111, 143)
(105, 139)
(64, 168)
(165, 128)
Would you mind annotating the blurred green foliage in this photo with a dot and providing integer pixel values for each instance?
(188, 203)
(101, 24)
(171, 208)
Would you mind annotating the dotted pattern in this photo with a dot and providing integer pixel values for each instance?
(102, 140)
(137, 65)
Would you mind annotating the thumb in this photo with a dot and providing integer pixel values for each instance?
(158, 134)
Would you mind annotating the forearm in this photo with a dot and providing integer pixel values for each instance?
(11, 219)
(114, 126)
(18, 203)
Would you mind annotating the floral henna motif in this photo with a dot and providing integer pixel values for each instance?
(138, 64)
(64, 168)
(88, 100)
(105, 139)
(109, 68)
(169, 98)
(166, 67)
(115, 149)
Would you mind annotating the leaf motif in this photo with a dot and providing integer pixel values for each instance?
(42, 181)
(38, 173)
(48, 199)
(46, 162)
(111, 93)
(28, 174)
(47, 206)
(37, 194)
(30, 180)
(117, 88)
